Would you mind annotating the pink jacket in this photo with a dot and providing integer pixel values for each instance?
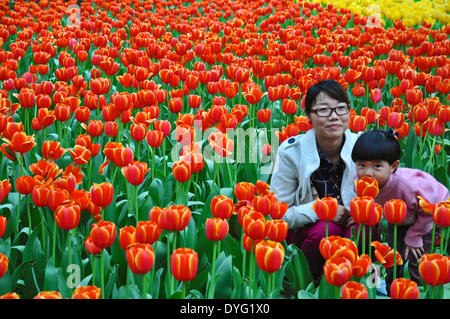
(406, 184)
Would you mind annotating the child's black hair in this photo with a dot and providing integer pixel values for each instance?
(377, 145)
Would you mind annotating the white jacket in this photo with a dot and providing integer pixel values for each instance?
(296, 160)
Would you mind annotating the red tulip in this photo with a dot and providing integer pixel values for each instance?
(135, 172)
(52, 150)
(3, 222)
(24, 184)
(354, 290)
(10, 295)
(147, 232)
(222, 207)
(102, 194)
(87, 292)
(434, 269)
(103, 234)
(244, 191)
(5, 188)
(385, 255)
(277, 230)
(174, 218)
(361, 208)
(337, 270)
(325, 208)
(441, 214)
(216, 228)
(48, 295)
(402, 288)
(366, 186)
(337, 246)
(140, 258)
(67, 216)
(4, 261)
(361, 265)
(90, 246)
(395, 211)
(254, 225)
(269, 255)
(184, 264)
(127, 236)
(155, 138)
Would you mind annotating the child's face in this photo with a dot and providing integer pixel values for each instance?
(380, 170)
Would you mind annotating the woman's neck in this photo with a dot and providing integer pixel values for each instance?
(331, 148)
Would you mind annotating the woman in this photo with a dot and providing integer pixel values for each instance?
(317, 164)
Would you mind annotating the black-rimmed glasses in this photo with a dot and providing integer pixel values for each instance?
(326, 111)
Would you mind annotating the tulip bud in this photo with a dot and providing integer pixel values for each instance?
(184, 264)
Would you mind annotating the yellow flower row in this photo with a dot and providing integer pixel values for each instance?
(409, 11)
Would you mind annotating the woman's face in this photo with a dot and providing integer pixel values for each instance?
(332, 126)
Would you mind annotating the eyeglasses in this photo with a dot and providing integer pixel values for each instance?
(326, 111)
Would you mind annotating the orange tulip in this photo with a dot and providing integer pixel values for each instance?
(3, 222)
(244, 191)
(127, 236)
(90, 246)
(52, 150)
(140, 258)
(48, 295)
(102, 194)
(155, 138)
(337, 246)
(181, 171)
(40, 195)
(385, 255)
(395, 211)
(402, 288)
(278, 210)
(5, 188)
(67, 216)
(147, 232)
(24, 185)
(222, 207)
(376, 215)
(184, 264)
(19, 143)
(263, 115)
(56, 197)
(118, 154)
(254, 225)
(80, 154)
(325, 208)
(87, 292)
(434, 269)
(269, 255)
(441, 214)
(174, 218)
(361, 208)
(361, 265)
(277, 230)
(337, 270)
(103, 234)
(216, 228)
(354, 290)
(249, 243)
(4, 261)
(10, 295)
(221, 144)
(366, 186)
(135, 172)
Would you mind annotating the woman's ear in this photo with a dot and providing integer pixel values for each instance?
(394, 166)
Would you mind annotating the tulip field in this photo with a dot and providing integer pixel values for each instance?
(138, 140)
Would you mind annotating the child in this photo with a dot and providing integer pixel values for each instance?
(377, 154)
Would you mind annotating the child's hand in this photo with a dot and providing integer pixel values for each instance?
(417, 252)
(341, 216)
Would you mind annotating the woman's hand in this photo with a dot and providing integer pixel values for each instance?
(342, 215)
(417, 252)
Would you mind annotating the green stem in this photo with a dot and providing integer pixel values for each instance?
(102, 274)
(213, 272)
(357, 236)
(29, 213)
(41, 210)
(94, 262)
(128, 282)
(441, 244)
(70, 246)
(54, 244)
(446, 240)
(326, 229)
(144, 287)
(136, 202)
(370, 242)
(269, 286)
(363, 239)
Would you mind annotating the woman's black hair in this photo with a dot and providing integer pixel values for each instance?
(330, 87)
(377, 145)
